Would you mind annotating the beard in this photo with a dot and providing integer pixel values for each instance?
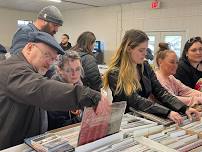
(46, 28)
(64, 43)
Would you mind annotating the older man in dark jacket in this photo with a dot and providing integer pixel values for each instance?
(25, 93)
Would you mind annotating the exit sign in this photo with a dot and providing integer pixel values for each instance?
(155, 4)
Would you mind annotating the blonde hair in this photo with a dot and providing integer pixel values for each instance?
(127, 77)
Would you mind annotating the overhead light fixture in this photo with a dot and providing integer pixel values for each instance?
(56, 1)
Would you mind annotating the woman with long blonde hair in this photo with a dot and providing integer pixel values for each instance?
(133, 80)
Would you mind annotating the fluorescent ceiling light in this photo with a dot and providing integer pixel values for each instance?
(57, 1)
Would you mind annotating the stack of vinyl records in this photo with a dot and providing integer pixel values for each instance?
(49, 142)
(195, 126)
(71, 135)
(126, 145)
(177, 139)
(133, 125)
(159, 120)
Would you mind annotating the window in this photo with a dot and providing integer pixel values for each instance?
(175, 43)
(151, 44)
(22, 23)
(175, 39)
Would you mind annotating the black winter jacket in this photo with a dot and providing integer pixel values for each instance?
(187, 74)
(138, 100)
(92, 77)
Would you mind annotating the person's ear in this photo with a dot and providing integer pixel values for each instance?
(59, 70)
(129, 49)
(186, 55)
(160, 62)
(29, 48)
(45, 22)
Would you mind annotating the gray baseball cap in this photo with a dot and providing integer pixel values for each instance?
(43, 37)
(51, 14)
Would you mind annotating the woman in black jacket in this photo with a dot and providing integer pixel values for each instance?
(189, 69)
(132, 80)
(85, 45)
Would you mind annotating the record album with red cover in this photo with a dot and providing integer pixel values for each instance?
(96, 125)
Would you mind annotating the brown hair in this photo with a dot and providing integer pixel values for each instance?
(162, 52)
(68, 57)
(85, 42)
(66, 35)
(188, 44)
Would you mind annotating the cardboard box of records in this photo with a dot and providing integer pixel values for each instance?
(194, 127)
(118, 143)
(137, 126)
(178, 139)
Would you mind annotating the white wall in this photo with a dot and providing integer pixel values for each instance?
(97, 20)
(8, 24)
(109, 23)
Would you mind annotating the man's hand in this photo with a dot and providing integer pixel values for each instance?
(103, 106)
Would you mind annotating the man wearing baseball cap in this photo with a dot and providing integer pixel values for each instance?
(25, 93)
(49, 20)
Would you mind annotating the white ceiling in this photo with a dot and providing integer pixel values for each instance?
(36, 5)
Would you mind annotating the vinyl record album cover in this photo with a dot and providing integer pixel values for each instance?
(98, 125)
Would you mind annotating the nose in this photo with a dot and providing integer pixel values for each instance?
(199, 51)
(145, 53)
(73, 73)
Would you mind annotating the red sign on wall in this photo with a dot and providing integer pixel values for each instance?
(155, 4)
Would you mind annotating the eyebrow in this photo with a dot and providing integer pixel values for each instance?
(142, 48)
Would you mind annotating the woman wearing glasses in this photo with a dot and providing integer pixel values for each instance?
(131, 79)
(189, 69)
(69, 70)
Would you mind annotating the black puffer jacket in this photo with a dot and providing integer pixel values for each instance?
(187, 74)
(139, 101)
(92, 77)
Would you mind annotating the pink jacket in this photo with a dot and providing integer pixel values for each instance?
(184, 93)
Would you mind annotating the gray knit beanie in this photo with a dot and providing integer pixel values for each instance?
(51, 14)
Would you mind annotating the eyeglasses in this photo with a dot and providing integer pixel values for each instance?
(45, 54)
(194, 39)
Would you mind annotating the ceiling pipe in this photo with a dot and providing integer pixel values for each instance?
(80, 3)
